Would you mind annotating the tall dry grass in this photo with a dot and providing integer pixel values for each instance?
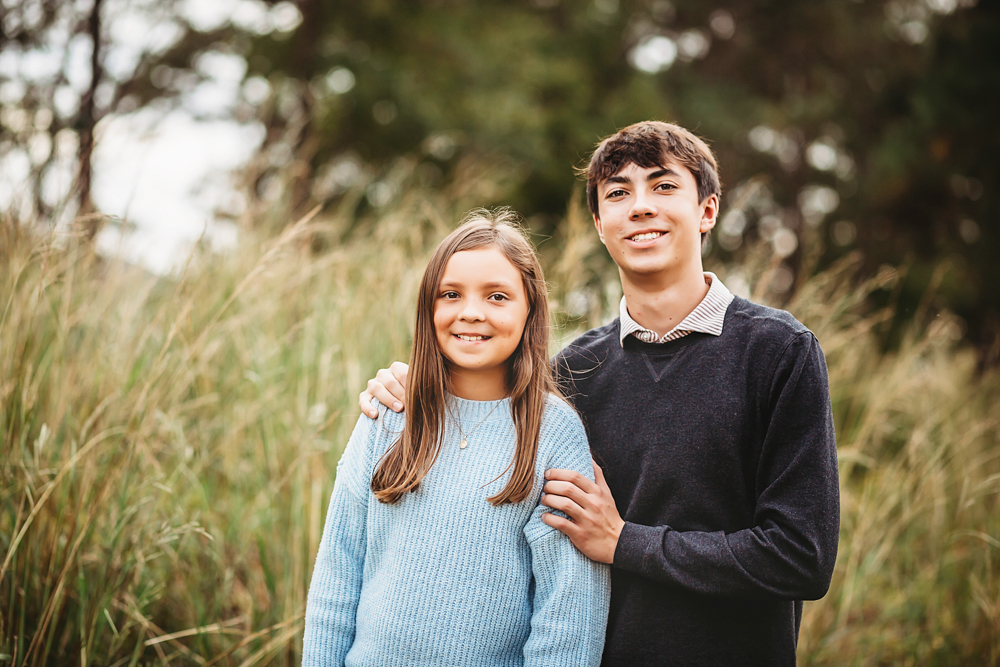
(917, 580)
(168, 444)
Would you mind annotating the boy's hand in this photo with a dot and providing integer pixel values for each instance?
(596, 524)
(389, 387)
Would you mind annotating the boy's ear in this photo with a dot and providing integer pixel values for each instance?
(709, 213)
(600, 227)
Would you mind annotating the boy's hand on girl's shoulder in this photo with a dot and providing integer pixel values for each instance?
(594, 523)
(388, 386)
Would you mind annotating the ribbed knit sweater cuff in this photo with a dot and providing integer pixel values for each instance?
(634, 543)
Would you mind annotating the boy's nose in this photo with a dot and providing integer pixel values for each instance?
(642, 207)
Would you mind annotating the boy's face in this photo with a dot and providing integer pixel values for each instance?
(651, 221)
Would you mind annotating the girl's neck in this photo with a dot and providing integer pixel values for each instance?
(476, 385)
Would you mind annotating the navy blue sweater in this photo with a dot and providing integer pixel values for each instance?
(721, 457)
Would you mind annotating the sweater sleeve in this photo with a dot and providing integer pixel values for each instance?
(571, 593)
(337, 575)
(790, 550)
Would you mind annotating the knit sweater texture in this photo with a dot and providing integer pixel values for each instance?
(721, 457)
(442, 577)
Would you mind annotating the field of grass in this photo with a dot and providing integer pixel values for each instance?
(168, 444)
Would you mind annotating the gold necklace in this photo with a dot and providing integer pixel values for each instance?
(465, 436)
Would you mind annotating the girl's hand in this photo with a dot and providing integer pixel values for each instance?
(388, 386)
(594, 524)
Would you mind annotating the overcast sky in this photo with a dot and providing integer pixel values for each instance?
(165, 172)
(168, 174)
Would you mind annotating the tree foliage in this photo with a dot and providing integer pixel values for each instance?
(842, 124)
(839, 125)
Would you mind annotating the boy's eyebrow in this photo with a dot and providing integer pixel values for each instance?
(666, 171)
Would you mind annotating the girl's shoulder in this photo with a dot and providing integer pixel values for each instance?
(562, 428)
(387, 419)
(560, 415)
(370, 440)
(384, 431)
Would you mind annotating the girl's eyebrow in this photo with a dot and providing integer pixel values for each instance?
(493, 284)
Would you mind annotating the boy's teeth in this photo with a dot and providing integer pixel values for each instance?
(471, 338)
(648, 236)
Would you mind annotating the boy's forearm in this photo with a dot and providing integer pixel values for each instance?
(759, 561)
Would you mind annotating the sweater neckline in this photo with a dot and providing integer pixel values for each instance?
(487, 410)
(633, 344)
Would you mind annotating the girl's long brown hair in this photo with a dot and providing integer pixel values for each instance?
(529, 379)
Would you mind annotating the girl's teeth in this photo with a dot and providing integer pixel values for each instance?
(649, 236)
(471, 338)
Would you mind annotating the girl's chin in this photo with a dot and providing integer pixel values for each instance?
(467, 366)
(479, 367)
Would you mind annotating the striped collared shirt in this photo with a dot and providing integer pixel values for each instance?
(707, 317)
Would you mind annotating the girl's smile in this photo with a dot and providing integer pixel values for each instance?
(471, 338)
(479, 317)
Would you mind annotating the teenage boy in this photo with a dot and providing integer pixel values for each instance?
(710, 418)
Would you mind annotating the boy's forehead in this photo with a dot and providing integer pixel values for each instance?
(668, 164)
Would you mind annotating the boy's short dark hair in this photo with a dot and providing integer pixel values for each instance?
(652, 144)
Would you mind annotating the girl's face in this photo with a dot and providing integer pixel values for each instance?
(479, 316)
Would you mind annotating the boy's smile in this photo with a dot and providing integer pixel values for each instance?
(651, 220)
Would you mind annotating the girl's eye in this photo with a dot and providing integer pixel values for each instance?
(449, 295)
(498, 297)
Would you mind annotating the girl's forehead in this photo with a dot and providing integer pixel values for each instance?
(486, 264)
(488, 258)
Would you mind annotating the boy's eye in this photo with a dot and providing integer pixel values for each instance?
(618, 192)
(666, 186)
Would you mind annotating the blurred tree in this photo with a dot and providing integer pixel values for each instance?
(67, 64)
(839, 125)
(881, 119)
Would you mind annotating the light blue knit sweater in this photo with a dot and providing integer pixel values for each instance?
(443, 577)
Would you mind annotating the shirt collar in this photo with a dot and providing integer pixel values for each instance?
(707, 317)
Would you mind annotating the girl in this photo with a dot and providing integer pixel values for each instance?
(434, 551)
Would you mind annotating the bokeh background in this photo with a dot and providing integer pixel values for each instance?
(214, 215)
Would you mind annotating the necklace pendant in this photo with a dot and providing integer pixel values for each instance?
(464, 444)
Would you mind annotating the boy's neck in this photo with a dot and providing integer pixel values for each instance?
(660, 303)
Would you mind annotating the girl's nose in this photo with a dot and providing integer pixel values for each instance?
(472, 311)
